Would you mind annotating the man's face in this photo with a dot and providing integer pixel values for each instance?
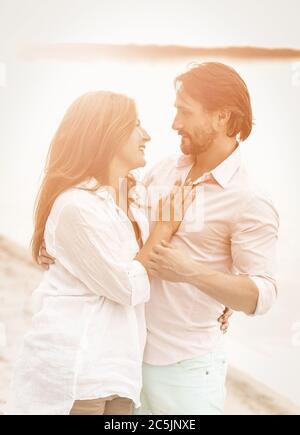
(193, 124)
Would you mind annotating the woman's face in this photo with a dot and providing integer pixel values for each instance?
(132, 154)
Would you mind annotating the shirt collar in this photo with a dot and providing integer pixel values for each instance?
(103, 191)
(223, 172)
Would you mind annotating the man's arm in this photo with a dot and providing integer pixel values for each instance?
(236, 292)
(251, 287)
(239, 293)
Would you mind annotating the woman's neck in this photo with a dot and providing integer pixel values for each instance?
(117, 175)
(117, 181)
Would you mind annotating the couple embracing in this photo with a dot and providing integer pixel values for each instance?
(133, 307)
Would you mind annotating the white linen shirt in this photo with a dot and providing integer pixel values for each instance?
(235, 232)
(87, 339)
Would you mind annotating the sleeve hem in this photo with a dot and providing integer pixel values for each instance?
(266, 295)
(140, 284)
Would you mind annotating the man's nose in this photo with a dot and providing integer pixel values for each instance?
(177, 125)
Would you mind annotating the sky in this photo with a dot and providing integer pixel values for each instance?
(267, 23)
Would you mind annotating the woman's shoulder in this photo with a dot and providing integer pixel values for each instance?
(77, 200)
(76, 209)
(74, 196)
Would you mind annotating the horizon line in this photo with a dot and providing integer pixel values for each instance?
(132, 52)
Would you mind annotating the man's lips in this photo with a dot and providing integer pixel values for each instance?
(185, 138)
(184, 135)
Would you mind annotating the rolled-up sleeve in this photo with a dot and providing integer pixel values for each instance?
(253, 245)
(89, 247)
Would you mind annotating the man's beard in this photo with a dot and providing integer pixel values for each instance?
(199, 143)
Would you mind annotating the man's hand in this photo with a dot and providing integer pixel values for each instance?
(45, 260)
(224, 319)
(169, 263)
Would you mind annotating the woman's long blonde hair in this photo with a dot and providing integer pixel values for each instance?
(95, 126)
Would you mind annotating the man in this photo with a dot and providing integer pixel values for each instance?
(224, 258)
(227, 261)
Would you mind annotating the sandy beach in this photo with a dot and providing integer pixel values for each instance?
(19, 276)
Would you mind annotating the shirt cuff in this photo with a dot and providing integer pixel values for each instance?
(140, 283)
(267, 294)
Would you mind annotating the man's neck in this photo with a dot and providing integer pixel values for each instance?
(214, 156)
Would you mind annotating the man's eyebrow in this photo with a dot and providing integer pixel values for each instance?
(180, 106)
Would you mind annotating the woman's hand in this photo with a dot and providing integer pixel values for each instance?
(45, 260)
(171, 212)
(224, 320)
(172, 208)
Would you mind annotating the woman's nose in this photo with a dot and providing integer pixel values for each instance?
(146, 136)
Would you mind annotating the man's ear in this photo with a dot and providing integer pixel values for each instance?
(224, 116)
(222, 119)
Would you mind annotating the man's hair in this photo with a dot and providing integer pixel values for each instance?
(217, 86)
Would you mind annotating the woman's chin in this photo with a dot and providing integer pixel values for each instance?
(140, 163)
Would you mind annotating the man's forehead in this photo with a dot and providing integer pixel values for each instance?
(184, 100)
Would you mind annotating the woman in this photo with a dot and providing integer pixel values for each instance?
(84, 351)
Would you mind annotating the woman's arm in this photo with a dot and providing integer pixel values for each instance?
(88, 246)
